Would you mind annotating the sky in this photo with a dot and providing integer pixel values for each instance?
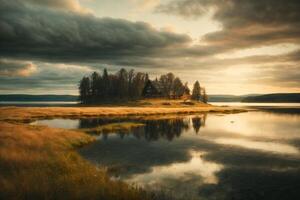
(230, 46)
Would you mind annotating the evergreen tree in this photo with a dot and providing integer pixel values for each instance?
(94, 84)
(105, 84)
(122, 85)
(138, 84)
(186, 89)
(196, 94)
(204, 97)
(131, 76)
(84, 90)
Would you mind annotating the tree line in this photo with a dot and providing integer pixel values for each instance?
(129, 85)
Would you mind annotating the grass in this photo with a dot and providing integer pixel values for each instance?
(37, 162)
(157, 107)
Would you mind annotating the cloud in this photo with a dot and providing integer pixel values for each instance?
(37, 36)
(45, 78)
(246, 23)
(16, 68)
(145, 4)
(39, 33)
(186, 8)
(67, 5)
(280, 75)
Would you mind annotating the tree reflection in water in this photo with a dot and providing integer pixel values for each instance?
(153, 130)
(198, 122)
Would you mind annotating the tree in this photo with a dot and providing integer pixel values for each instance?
(169, 83)
(84, 90)
(94, 84)
(204, 97)
(105, 84)
(129, 85)
(186, 89)
(131, 76)
(166, 82)
(122, 85)
(196, 94)
(139, 82)
(178, 88)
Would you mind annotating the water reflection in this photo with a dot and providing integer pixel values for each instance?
(152, 130)
(252, 155)
(185, 177)
(198, 122)
(264, 146)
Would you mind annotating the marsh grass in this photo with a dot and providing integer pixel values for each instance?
(37, 162)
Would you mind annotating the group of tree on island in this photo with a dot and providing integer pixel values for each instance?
(131, 85)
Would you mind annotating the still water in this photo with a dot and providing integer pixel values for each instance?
(252, 155)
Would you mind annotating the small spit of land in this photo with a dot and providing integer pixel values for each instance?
(153, 107)
(39, 162)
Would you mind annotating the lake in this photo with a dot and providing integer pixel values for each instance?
(251, 155)
(38, 103)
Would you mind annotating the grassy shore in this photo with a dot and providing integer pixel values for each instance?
(153, 107)
(39, 162)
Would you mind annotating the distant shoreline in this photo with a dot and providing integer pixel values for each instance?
(64, 99)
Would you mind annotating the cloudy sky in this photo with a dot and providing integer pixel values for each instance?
(230, 46)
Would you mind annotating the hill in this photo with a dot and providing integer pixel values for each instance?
(227, 98)
(274, 98)
(25, 97)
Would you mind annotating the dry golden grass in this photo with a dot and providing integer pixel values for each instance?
(37, 162)
(156, 108)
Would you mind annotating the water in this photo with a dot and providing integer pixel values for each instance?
(242, 104)
(253, 155)
(38, 103)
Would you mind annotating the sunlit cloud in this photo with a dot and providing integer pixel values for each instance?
(271, 50)
(67, 5)
(13, 68)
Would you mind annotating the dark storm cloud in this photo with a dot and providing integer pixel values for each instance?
(40, 33)
(246, 23)
(238, 12)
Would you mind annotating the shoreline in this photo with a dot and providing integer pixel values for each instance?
(28, 114)
(45, 149)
